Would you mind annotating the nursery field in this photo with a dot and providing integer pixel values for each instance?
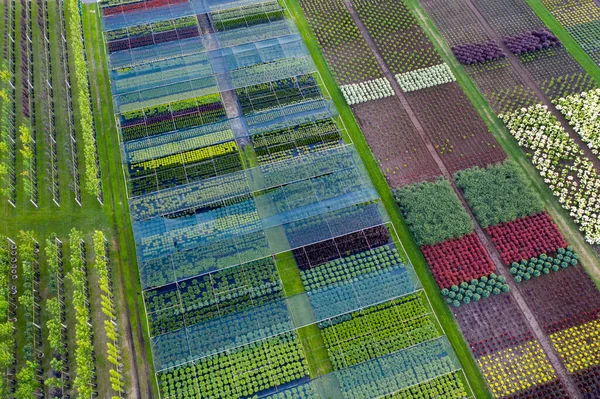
(300, 199)
(68, 327)
(264, 251)
(484, 233)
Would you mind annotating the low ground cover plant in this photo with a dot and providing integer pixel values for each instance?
(498, 193)
(433, 212)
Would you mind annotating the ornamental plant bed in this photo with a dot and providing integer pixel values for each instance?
(397, 35)
(475, 290)
(526, 238)
(492, 325)
(554, 389)
(322, 252)
(557, 73)
(533, 40)
(509, 17)
(455, 21)
(449, 386)
(457, 260)
(504, 370)
(239, 373)
(498, 194)
(376, 331)
(588, 382)
(454, 127)
(562, 300)
(138, 6)
(570, 175)
(502, 86)
(433, 212)
(405, 162)
(343, 46)
(544, 264)
(349, 267)
(478, 53)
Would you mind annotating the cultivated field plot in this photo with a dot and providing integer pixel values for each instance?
(452, 124)
(496, 78)
(552, 68)
(253, 221)
(562, 297)
(581, 19)
(455, 129)
(398, 36)
(346, 51)
(503, 345)
(567, 304)
(502, 86)
(456, 22)
(406, 160)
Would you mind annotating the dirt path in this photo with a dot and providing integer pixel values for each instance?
(539, 333)
(528, 80)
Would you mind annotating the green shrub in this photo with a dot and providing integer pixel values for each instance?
(498, 194)
(433, 212)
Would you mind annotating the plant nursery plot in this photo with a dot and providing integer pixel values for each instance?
(501, 340)
(266, 96)
(455, 261)
(397, 34)
(168, 117)
(578, 346)
(580, 111)
(246, 16)
(498, 194)
(319, 253)
(369, 333)
(582, 20)
(455, 129)
(433, 212)
(212, 295)
(160, 72)
(402, 156)
(493, 325)
(588, 382)
(447, 386)
(509, 17)
(526, 237)
(239, 373)
(557, 73)
(183, 168)
(495, 77)
(550, 390)
(220, 334)
(153, 33)
(398, 370)
(570, 175)
(502, 87)
(296, 140)
(357, 279)
(562, 300)
(456, 22)
(349, 267)
(505, 372)
(219, 185)
(346, 51)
